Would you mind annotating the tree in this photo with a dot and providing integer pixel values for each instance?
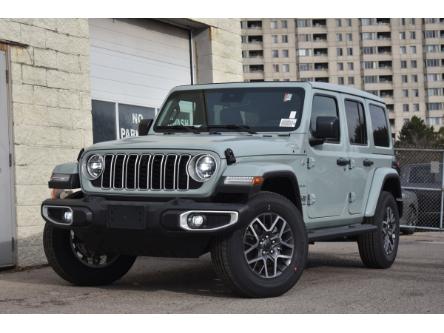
(415, 132)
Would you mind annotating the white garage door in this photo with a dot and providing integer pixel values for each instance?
(134, 63)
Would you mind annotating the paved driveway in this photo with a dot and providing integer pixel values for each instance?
(335, 281)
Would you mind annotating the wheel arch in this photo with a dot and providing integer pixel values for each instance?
(384, 179)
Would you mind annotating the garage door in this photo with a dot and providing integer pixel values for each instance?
(134, 63)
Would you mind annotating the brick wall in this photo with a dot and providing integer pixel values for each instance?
(51, 107)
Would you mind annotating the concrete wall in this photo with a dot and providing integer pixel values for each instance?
(218, 51)
(51, 107)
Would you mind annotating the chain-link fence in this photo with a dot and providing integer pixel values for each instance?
(422, 187)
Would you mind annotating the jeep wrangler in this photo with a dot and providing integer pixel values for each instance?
(250, 172)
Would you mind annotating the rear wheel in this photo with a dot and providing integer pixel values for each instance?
(73, 261)
(266, 257)
(378, 249)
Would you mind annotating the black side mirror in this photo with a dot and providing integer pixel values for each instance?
(144, 126)
(326, 128)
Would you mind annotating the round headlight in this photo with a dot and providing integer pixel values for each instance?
(205, 167)
(94, 166)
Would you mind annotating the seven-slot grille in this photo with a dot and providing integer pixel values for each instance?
(146, 172)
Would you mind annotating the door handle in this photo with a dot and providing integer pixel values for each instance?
(367, 162)
(342, 161)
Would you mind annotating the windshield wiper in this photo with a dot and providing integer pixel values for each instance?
(240, 128)
(171, 129)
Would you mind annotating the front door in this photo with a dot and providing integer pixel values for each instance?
(6, 225)
(327, 181)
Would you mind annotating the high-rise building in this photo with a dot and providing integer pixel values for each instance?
(401, 60)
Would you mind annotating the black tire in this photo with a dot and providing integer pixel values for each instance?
(371, 245)
(413, 216)
(228, 252)
(61, 257)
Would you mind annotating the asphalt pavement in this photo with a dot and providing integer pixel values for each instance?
(335, 281)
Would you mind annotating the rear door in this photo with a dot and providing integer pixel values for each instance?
(6, 219)
(361, 165)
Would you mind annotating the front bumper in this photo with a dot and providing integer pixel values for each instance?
(152, 216)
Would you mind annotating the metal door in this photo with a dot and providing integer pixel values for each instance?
(6, 217)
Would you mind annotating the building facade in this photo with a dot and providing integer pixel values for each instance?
(66, 83)
(401, 60)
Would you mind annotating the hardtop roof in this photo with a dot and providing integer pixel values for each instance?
(271, 84)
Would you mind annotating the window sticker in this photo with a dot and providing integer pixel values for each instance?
(288, 122)
(292, 114)
(288, 97)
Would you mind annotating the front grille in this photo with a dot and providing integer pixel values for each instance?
(146, 172)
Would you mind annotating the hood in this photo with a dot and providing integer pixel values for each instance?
(241, 144)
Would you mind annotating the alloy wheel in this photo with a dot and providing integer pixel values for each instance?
(389, 231)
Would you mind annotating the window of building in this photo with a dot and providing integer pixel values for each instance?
(357, 131)
(285, 68)
(402, 35)
(274, 39)
(304, 37)
(302, 23)
(435, 91)
(304, 52)
(339, 37)
(284, 24)
(404, 79)
(349, 37)
(338, 22)
(403, 63)
(414, 78)
(369, 64)
(284, 53)
(413, 64)
(434, 106)
(416, 92)
(284, 39)
(349, 22)
(413, 49)
(351, 80)
(402, 50)
(416, 107)
(349, 51)
(274, 24)
(368, 35)
(340, 80)
(244, 39)
(431, 34)
(276, 68)
(340, 66)
(403, 21)
(433, 62)
(405, 93)
(370, 79)
(305, 67)
(434, 121)
(324, 106)
(432, 48)
(244, 54)
(246, 68)
(275, 53)
(369, 50)
(350, 66)
(379, 125)
(412, 34)
(339, 52)
(405, 108)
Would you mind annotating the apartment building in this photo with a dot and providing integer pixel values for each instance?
(401, 60)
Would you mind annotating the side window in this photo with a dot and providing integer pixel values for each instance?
(324, 106)
(357, 131)
(379, 125)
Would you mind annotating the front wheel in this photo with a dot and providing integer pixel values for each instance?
(73, 261)
(378, 249)
(267, 256)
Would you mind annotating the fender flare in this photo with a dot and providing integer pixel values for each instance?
(380, 177)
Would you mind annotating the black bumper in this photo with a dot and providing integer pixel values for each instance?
(150, 216)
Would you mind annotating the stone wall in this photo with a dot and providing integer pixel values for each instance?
(51, 112)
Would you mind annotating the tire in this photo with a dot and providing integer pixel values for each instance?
(230, 260)
(63, 259)
(412, 218)
(372, 245)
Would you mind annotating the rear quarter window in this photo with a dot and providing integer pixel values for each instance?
(381, 135)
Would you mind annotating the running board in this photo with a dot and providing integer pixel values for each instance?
(337, 232)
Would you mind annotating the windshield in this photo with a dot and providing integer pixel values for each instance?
(233, 109)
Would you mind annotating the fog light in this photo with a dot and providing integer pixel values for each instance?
(68, 217)
(196, 221)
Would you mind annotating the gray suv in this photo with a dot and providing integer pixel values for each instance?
(250, 172)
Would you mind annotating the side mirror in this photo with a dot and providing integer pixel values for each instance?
(326, 128)
(144, 126)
